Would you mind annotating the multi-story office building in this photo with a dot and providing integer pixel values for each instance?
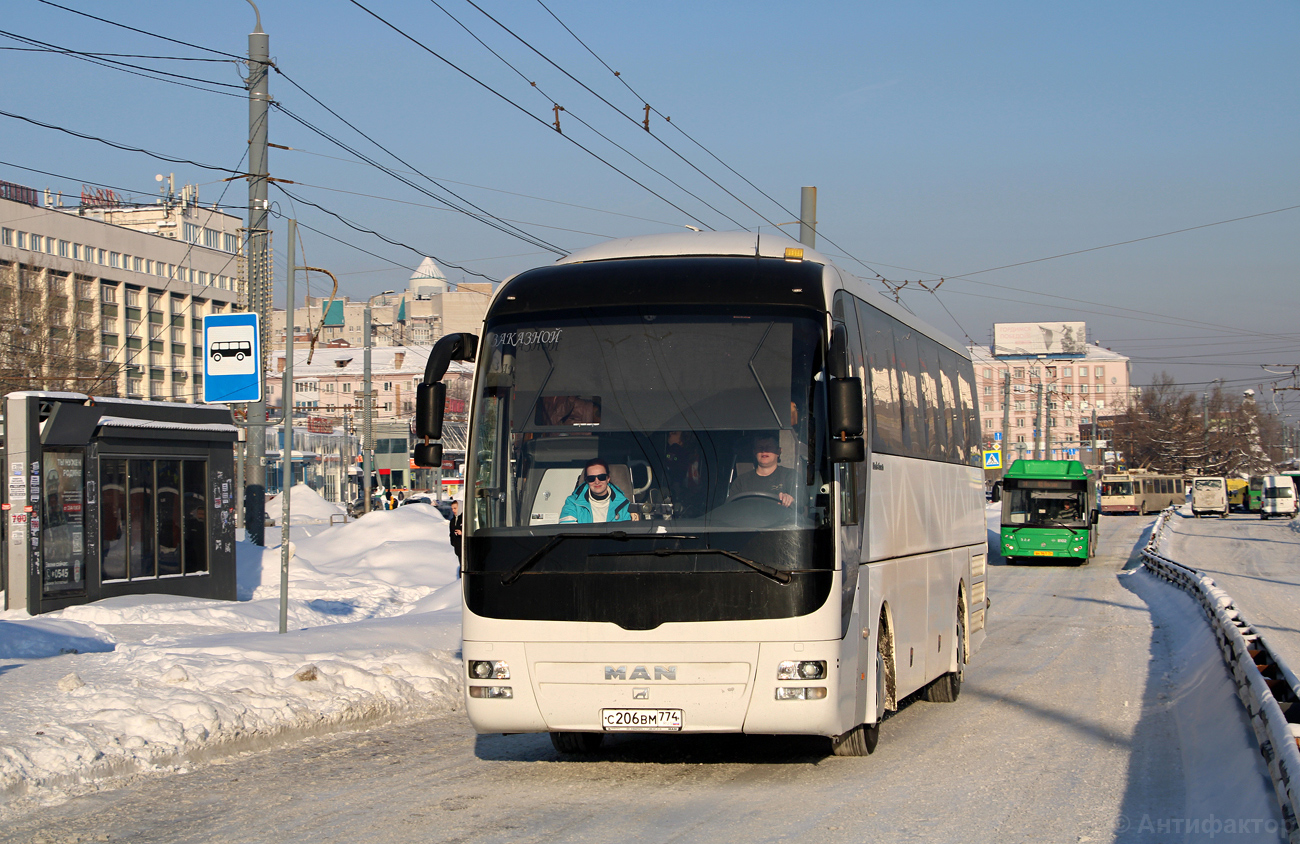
(1040, 383)
(121, 289)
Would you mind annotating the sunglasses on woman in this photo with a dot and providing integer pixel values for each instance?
(603, 476)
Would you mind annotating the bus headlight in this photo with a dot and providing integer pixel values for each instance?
(795, 693)
(808, 669)
(483, 669)
(496, 692)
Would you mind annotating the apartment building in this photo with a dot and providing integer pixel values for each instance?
(1039, 386)
(127, 284)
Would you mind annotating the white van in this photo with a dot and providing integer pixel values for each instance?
(1279, 497)
(1210, 496)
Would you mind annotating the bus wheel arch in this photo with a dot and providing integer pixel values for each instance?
(885, 658)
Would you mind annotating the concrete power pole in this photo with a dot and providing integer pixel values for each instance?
(808, 217)
(258, 262)
(1006, 419)
(1041, 419)
(367, 413)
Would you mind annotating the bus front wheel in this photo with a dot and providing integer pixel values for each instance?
(862, 739)
(577, 743)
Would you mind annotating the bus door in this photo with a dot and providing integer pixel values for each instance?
(853, 481)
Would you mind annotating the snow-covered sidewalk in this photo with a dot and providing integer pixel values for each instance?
(155, 681)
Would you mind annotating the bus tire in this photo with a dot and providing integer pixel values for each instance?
(946, 688)
(862, 739)
(577, 744)
(859, 741)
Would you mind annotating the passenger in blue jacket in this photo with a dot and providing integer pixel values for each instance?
(597, 500)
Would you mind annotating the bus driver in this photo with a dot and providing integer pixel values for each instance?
(767, 478)
(596, 500)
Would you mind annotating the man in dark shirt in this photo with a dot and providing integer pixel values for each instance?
(768, 478)
(454, 528)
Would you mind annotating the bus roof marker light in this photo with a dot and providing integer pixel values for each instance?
(793, 253)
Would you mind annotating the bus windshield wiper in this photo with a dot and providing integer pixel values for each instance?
(779, 575)
(620, 535)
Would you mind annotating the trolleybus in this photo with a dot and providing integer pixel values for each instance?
(789, 471)
(1049, 511)
(1141, 492)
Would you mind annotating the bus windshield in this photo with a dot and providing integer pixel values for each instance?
(1109, 488)
(660, 422)
(1044, 507)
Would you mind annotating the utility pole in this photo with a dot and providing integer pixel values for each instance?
(1095, 461)
(1041, 408)
(259, 264)
(1047, 420)
(1006, 419)
(367, 411)
(286, 413)
(808, 217)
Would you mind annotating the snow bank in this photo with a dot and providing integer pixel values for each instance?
(305, 506)
(153, 681)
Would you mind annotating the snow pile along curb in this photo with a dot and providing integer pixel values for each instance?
(1260, 676)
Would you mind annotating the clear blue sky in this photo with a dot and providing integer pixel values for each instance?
(946, 139)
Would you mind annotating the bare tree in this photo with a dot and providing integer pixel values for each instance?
(49, 338)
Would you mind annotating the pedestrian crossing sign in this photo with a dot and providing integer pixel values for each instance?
(993, 459)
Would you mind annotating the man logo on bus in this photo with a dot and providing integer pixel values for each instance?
(239, 349)
(662, 672)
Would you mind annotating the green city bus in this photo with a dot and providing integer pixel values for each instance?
(1049, 511)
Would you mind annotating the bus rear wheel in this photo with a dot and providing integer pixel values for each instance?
(946, 688)
(578, 744)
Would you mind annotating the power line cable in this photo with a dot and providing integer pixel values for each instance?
(525, 111)
(114, 144)
(569, 111)
(142, 31)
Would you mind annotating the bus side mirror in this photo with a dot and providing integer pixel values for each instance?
(844, 407)
(1095, 516)
(428, 455)
(430, 399)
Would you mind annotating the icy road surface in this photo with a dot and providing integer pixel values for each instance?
(1255, 561)
(1098, 710)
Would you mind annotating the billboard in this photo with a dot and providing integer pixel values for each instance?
(1039, 338)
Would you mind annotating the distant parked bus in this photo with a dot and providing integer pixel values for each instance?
(1238, 493)
(1210, 496)
(1049, 510)
(1255, 495)
(1140, 492)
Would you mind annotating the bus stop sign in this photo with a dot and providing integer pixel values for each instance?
(232, 358)
(993, 459)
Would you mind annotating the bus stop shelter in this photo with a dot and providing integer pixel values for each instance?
(110, 497)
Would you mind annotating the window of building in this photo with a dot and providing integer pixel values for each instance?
(132, 297)
(191, 233)
(63, 248)
(1020, 422)
(100, 261)
(988, 407)
(1100, 372)
(1068, 388)
(1066, 371)
(154, 299)
(203, 278)
(1018, 372)
(1101, 403)
(137, 264)
(37, 242)
(108, 293)
(988, 423)
(133, 326)
(133, 386)
(230, 243)
(211, 238)
(114, 259)
(388, 386)
(988, 373)
(6, 237)
(1034, 372)
(347, 386)
(1051, 372)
